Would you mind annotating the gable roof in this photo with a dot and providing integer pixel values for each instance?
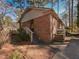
(38, 12)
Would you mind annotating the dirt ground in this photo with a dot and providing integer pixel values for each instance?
(68, 51)
(29, 51)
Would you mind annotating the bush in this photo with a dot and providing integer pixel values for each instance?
(19, 36)
(23, 35)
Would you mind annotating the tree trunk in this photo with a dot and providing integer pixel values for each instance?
(69, 14)
(78, 14)
(72, 16)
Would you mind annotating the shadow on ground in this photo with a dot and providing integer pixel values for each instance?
(71, 51)
(52, 49)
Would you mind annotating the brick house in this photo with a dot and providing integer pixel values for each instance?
(43, 23)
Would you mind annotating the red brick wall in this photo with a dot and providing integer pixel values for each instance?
(42, 27)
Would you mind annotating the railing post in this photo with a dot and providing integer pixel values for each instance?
(31, 36)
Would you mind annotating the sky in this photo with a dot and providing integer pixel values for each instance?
(11, 7)
(7, 9)
(55, 6)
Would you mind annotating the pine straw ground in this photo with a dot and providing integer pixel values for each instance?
(26, 52)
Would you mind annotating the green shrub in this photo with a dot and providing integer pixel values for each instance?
(19, 36)
(23, 35)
